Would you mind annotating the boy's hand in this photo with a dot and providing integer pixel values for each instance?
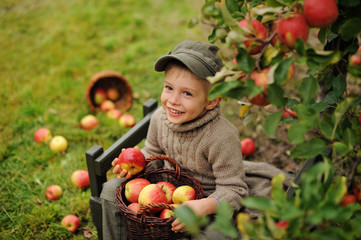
(122, 172)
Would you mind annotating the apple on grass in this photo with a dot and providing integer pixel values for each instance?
(112, 94)
(282, 224)
(114, 113)
(71, 223)
(100, 95)
(248, 146)
(168, 189)
(58, 144)
(80, 179)
(152, 193)
(42, 135)
(133, 188)
(107, 105)
(53, 192)
(132, 160)
(183, 193)
(127, 120)
(89, 122)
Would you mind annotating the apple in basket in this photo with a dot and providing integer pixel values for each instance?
(107, 105)
(168, 189)
(167, 213)
(135, 207)
(133, 188)
(99, 96)
(183, 193)
(112, 94)
(132, 160)
(152, 193)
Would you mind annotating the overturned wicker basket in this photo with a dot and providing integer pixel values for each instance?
(141, 226)
(110, 79)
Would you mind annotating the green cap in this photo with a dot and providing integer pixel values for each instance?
(201, 58)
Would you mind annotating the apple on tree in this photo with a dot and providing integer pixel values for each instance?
(183, 193)
(107, 105)
(132, 160)
(355, 60)
(58, 144)
(80, 179)
(133, 188)
(260, 32)
(260, 79)
(292, 28)
(152, 193)
(348, 199)
(248, 146)
(127, 120)
(100, 95)
(42, 135)
(112, 94)
(71, 223)
(320, 13)
(53, 192)
(89, 122)
(168, 189)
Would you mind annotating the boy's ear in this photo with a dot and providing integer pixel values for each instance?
(213, 103)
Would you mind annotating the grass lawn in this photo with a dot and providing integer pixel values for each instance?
(49, 52)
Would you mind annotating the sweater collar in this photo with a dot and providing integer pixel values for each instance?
(210, 115)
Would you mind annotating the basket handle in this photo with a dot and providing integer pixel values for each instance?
(168, 159)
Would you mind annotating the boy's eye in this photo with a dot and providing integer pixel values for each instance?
(188, 93)
(168, 87)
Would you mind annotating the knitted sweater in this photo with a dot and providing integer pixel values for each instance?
(208, 148)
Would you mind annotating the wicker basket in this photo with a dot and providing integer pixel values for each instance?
(141, 226)
(110, 79)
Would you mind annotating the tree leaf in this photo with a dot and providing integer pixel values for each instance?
(351, 28)
(222, 88)
(296, 133)
(281, 71)
(244, 61)
(260, 203)
(309, 149)
(275, 95)
(223, 222)
(340, 111)
(271, 123)
(308, 89)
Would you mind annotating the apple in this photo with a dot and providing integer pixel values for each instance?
(260, 33)
(260, 79)
(183, 193)
(114, 113)
(355, 60)
(58, 144)
(99, 96)
(112, 94)
(89, 122)
(42, 135)
(320, 13)
(168, 189)
(132, 160)
(282, 224)
(135, 207)
(133, 188)
(127, 120)
(166, 213)
(71, 223)
(152, 193)
(248, 146)
(289, 113)
(80, 179)
(348, 199)
(107, 105)
(53, 192)
(292, 28)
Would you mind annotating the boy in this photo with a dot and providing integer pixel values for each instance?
(191, 129)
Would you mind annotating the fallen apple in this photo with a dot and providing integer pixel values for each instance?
(168, 189)
(282, 224)
(53, 192)
(42, 135)
(80, 179)
(259, 32)
(112, 94)
(99, 96)
(248, 146)
(320, 13)
(89, 122)
(133, 188)
(58, 144)
(71, 223)
(107, 105)
(114, 113)
(183, 193)
(127, 120)
(132, 160)
(348, 199)
(152, 193)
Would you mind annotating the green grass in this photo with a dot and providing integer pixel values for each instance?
(49, 52)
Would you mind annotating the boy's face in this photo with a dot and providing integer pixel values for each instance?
(184, 95)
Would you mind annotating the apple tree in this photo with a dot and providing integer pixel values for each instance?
(262, 44)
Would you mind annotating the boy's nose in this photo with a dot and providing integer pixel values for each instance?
(174, 99)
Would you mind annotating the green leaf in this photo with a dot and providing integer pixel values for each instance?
(244, 61)
(281, 71)
(271, 123)
(275, 95)
(232, 6)
(307, 115)
(300, 48)
(340, 148)
(296, 133)
(222, 89)
(223, 222)
(340, 111)
(308, 89)
(351, 28)
(326, 126)
(336, 191)
(309, 149)
(277, 193)
(260, 203)
(193, 223)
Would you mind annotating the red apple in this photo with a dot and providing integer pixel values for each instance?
(168, 189)
(58, 144)
(289, 113)
(260, 33)
(152, 193)
(71, 223)
(89, 122)
(107, 105)
(355, 60)
(320, 13)
(166, 213)
(99, 96)
(260, 79)
(114, 113)
(282, 224)
(348, 199)
(127, 120)
(112, 94)
(133, 188)
(292, 28)
(53, 192)
(42, 135)
(135, 207)
(80, 179)
(183, 193)
(248, 146)
(132, 160)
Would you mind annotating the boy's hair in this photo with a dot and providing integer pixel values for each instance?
(200, 58)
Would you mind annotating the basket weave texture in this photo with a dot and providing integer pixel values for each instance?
(110, 79)
(139, 225)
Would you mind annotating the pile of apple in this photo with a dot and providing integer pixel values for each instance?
(353, 196)
(140, 192)
(56, 143)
